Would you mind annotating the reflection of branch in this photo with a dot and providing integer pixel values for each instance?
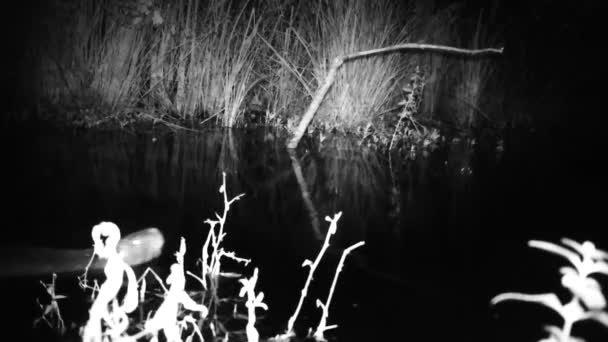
(312, 212)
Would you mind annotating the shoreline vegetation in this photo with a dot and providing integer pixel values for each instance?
(199, 64)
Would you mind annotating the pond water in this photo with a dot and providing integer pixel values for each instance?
(444, 232)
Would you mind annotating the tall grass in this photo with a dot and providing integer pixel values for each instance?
(204, 57)
(455, 88)
(331, 29)
(364, 87)
(192, 58)
(182, 311)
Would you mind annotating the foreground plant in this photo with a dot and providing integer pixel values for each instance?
(51, 315)
(180, 317)
(106, 317)
(588, 301)
(253, 301)
(211, 259)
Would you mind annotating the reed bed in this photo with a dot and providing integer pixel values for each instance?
(215, 60)
(289, 86)
(364, 87)
(473, 77)
(92, 59)
(207, 54)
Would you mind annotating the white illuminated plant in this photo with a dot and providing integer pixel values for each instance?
(588, 301)
(105, 307)
(253, 301)
(212, 254)
(166, 317)
(50, 312)
(322, 327)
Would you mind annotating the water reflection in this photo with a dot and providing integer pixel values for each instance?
(425, 221)
(170, 180)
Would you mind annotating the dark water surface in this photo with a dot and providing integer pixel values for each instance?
(444, 233)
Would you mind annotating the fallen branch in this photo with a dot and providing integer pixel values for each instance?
(339, 61)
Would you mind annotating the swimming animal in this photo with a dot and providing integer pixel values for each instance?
(136, 248)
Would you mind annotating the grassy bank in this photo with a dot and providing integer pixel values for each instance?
(240, 63)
